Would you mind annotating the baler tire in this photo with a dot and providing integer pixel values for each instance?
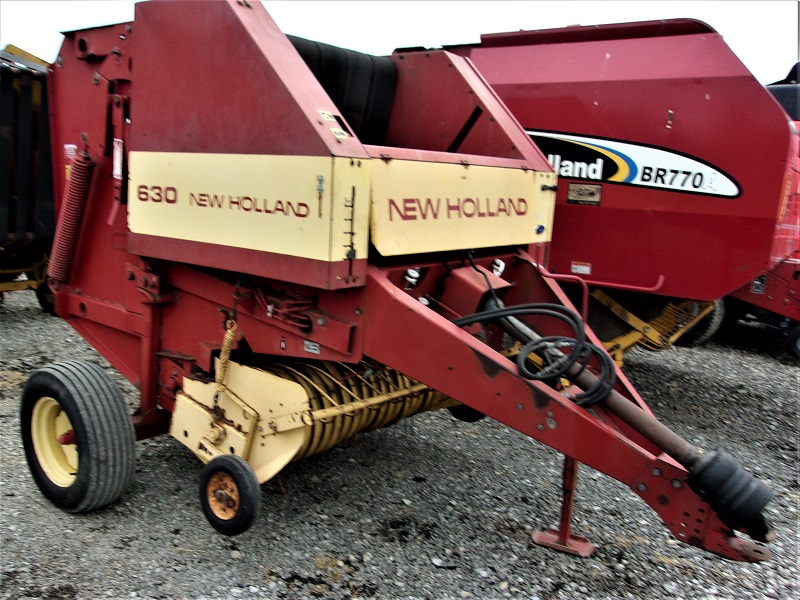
(230, 494)
(705, 329)
(78, 402)
(465, 413)
(46, 300)
(793, 339)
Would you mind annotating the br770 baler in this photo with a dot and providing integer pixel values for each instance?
(282, 243)
(669, 199)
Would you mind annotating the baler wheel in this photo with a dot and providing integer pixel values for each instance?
(793, 338)
(465, 413)
(46, 299)
(77, 435)
(230, 494)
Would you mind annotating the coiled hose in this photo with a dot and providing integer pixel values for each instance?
(551, 348)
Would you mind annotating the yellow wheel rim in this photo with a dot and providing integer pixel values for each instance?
(223, 496)
(49, 423)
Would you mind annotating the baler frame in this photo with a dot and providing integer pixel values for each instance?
(200, 336)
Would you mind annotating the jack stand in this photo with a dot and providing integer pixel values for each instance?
(561, 539)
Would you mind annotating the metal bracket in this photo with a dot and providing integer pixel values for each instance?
(561, 539)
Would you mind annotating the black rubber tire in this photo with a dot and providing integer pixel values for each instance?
(705, 329)
(105, 445)
(45, 297)
(793, 340)
(465, 413)
(238, 478)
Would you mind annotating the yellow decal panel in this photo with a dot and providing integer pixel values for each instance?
(291, 205)
(431, 207)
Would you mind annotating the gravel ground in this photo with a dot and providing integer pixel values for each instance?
(429, 508)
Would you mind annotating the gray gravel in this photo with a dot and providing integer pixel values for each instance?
(429, 508)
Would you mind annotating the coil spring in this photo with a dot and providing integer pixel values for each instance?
(69, 218)
(330, 384)
(225, 352)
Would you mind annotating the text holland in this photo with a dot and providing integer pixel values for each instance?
(412, 209)
(250, 204)
(581, 170)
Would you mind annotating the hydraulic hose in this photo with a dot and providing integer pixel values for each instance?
(734, 494)
(549, 348)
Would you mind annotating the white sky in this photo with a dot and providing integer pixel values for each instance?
(764, 34)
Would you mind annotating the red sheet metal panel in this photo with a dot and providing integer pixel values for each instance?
(209, 75)
(693, 152)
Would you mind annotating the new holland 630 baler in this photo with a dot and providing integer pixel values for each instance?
(283, 243)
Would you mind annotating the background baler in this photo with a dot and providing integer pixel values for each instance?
(679, 174)
(772, 300)
(282, 243)
(27, 211)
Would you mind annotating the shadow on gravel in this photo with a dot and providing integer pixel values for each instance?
(756, 340)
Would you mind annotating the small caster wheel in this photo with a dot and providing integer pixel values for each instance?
(230, 494)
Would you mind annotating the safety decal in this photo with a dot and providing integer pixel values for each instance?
(580, 268)
(597, 159)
